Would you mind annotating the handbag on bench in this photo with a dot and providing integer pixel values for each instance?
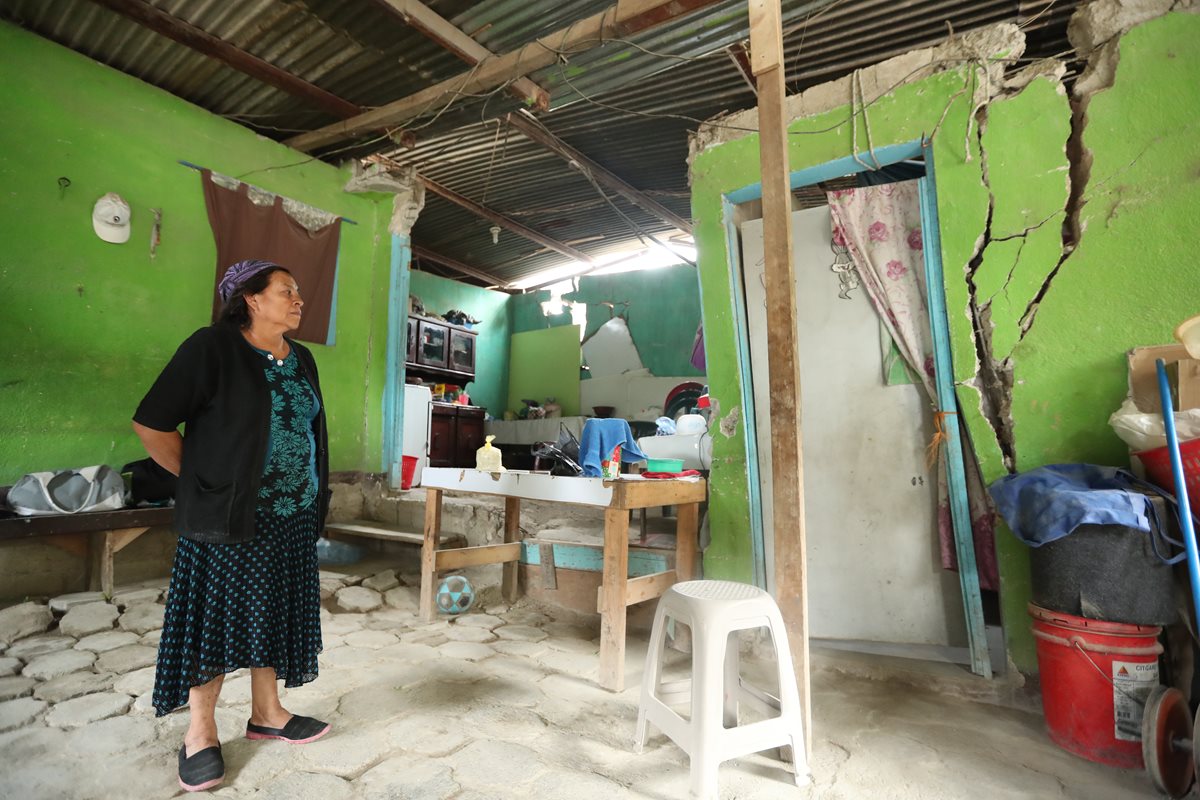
(68, 491)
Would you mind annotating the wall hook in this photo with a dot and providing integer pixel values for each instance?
(63, 183)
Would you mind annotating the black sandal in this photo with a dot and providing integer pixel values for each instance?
(299, 730)
(202, 770)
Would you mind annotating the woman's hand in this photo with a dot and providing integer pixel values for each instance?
(166, 448)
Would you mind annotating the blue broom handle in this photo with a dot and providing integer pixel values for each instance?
(1181, 494)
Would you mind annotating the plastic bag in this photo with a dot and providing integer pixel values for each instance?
(487, 458)
(330, 552)
(1143, 431)
(68, 491)
(563, 454)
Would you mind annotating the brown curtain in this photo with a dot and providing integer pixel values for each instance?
(245, 230)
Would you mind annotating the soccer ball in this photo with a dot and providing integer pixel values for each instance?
(455, 595)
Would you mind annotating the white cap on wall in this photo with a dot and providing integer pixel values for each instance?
(110, 219)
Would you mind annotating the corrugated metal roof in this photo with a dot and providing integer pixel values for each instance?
(628, 107)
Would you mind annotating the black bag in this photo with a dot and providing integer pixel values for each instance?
(149, 482)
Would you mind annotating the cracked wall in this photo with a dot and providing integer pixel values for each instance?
(1067, 235)
(1132, 276)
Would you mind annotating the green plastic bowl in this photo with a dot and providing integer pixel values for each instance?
(664, 465)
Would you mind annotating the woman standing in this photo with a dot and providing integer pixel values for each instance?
(251, 501)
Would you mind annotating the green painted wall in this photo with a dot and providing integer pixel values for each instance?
(439, 295)
(545, 364)
(1131, 279)
(661, 306)
(86, 325)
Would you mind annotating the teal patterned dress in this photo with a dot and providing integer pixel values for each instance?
(255, 603)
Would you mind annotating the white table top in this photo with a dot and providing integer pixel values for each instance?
(530, 485)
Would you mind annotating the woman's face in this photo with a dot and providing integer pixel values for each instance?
(279, 304)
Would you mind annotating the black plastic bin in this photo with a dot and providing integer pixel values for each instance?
(1107, 572)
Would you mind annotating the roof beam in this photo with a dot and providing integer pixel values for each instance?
(534, 130)
(506, 222)
(201, 41)
(623, 19)
(457, 266)
(436, 27)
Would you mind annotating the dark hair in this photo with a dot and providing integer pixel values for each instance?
(235, 311)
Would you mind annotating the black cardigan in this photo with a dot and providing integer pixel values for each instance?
(214, 385)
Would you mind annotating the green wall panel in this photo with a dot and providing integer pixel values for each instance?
(661, 306)
(439, 295)
(545, 364)
(87, 324)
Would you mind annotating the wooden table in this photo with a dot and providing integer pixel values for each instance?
(617, 590)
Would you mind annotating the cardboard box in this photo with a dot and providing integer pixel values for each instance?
(1183, 373)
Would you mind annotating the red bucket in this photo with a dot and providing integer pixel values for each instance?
(1158, 468)
(408, 467)
(1096, 677)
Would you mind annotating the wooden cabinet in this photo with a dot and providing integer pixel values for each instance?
(462, 351)
(433, 345)
(410, 351)
(456, 432)
(440, 352)
(469, 435)
(441, 436)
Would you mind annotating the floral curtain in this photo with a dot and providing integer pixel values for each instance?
(880, 226)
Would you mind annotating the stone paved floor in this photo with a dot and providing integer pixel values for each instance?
(497, 704)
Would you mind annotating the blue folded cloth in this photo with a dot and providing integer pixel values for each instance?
(599, 437)
(1050, 502)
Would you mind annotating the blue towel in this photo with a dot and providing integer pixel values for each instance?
(599, 437)
(1048, 503)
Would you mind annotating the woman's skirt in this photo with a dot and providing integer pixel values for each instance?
(250, 604)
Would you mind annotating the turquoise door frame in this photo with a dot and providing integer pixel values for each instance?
(397, 342)
(964, 542)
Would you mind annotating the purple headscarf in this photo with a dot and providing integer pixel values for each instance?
(239, 273)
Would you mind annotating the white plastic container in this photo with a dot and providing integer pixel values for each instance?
(1188, 333)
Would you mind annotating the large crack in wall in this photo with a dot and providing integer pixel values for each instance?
(1095, 31)
(993, 379)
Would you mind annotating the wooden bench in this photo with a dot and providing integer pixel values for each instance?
(372, 529)
(96, 536)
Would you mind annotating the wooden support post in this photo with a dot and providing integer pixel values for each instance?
(113, 542)
(641, 589)
(159, 21)
(512, 534)
(506, 222)
(620, 20)
(456, 265)
(433, 527)
(612, 608)
(477, 556)
(440, 30)
(787, 493)
(686, 533)
(106, 564)
(95, 560)
(527, 124)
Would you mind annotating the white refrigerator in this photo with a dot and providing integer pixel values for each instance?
(418, 410)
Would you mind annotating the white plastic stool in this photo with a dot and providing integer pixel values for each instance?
(713, 610)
